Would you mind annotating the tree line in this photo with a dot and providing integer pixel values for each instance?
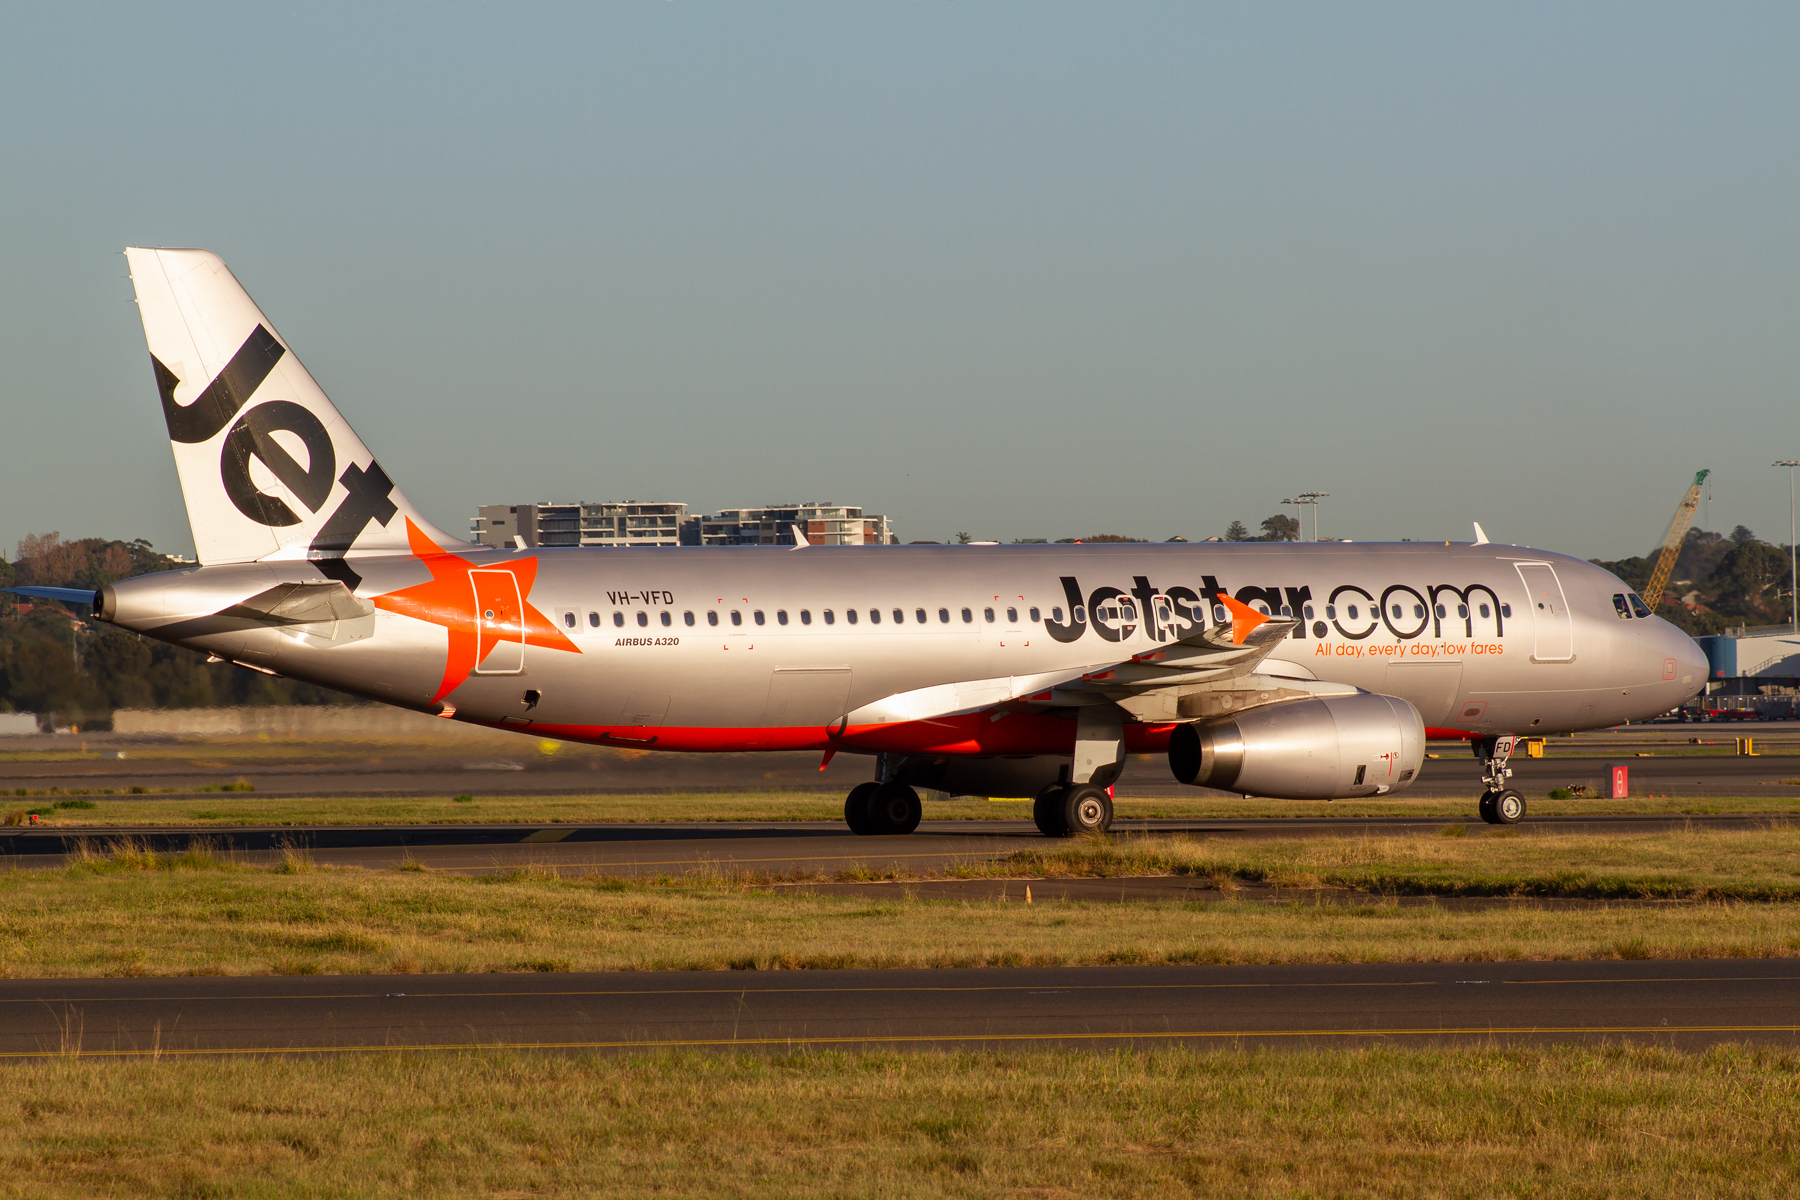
(1720, 581)
(57, 661)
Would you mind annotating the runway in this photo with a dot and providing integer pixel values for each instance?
(1686, 1004)
(797, 848)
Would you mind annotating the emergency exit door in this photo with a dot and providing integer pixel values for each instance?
(499, 623)
(1554, 637)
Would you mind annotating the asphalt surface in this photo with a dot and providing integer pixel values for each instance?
(797, 848)
(1685, 1004)
(516, 765)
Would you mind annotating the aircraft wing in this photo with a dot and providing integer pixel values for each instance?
(1206, 674)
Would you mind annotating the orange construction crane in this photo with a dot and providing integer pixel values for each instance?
(1671, 548)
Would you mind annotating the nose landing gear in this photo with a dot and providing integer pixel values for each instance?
(1500, 805)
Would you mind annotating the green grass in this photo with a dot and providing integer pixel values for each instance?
(130, 912)
(1545, 1122)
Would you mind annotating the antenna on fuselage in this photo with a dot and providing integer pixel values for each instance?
(1481, 538)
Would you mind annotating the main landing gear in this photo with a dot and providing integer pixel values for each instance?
(1500, 805)
(882, 808)
(1062, 812)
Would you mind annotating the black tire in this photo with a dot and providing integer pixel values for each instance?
(1509, 808)
(1047, 811)
(856, 808)
(1487, 808)
(895, 808)
(1086, 810)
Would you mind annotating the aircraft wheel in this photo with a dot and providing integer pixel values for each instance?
(1047, 811)
(1509, 808)
(1086, 809)
(856, 808)
(1487, 808)
(895, 808)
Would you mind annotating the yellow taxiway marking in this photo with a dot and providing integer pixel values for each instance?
(898, 1039)
(734, 991)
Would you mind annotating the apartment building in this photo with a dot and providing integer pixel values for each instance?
(773, 525)
(634, 523)
(606, 523)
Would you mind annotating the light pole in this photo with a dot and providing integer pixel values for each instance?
(1313, 499)
(1793, 573)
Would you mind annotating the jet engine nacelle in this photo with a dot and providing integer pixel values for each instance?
(1314, 749)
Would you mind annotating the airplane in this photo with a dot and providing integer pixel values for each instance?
(1301, 671)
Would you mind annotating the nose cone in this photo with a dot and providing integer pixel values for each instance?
(1691, 666)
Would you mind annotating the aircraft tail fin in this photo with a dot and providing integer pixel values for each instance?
(268, 467)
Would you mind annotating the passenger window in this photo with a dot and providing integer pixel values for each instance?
(757, 616)
(594, 620)
(1395, 612)
(1285, 611)
(1484, 611)
(830, 617)
(1219, 614)
(618, 618)
(806, 616)
(850, 615)
(687, 618)
(987, 614)
(1462, 611)
(1012, 616)
(569, 619)
(1640, 606)
(1035, 617)
(643, 619)
(1505, 610)
(1418, 611)
(1079, 614)
(780, 616)
(874, 616)
(968, 617)
(943, 616)
(1619, 605)
(1308, 612)
(737, 618)
(899, 616)
(712, 617)
(919, 615)
(668, 618)
(1330, 612)
(1128, 610)
(1440, 611)
(1352, 611)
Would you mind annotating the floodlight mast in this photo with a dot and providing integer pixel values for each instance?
(1313, 499)
(1793, 571)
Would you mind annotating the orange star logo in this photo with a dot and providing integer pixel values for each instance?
(481, 612)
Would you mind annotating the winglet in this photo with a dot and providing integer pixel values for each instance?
(1480, 536)
(1244, 619)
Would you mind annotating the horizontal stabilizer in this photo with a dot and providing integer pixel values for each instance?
(87, 596)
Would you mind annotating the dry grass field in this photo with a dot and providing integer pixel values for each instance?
(1672, 895)
(1547, 1122)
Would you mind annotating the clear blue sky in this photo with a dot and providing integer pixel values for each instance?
(1026, 270)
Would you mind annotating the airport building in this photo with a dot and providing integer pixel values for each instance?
(634, 523)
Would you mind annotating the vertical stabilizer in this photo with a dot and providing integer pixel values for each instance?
(268, 467)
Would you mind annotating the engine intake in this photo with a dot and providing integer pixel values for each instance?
(1315, 749)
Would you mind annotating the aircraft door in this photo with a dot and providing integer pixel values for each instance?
(499, 623)
(1554, 630)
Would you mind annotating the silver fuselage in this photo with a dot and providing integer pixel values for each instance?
(646, 651)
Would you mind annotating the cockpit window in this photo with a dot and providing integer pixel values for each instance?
(1639, 607)
(1623, 608)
